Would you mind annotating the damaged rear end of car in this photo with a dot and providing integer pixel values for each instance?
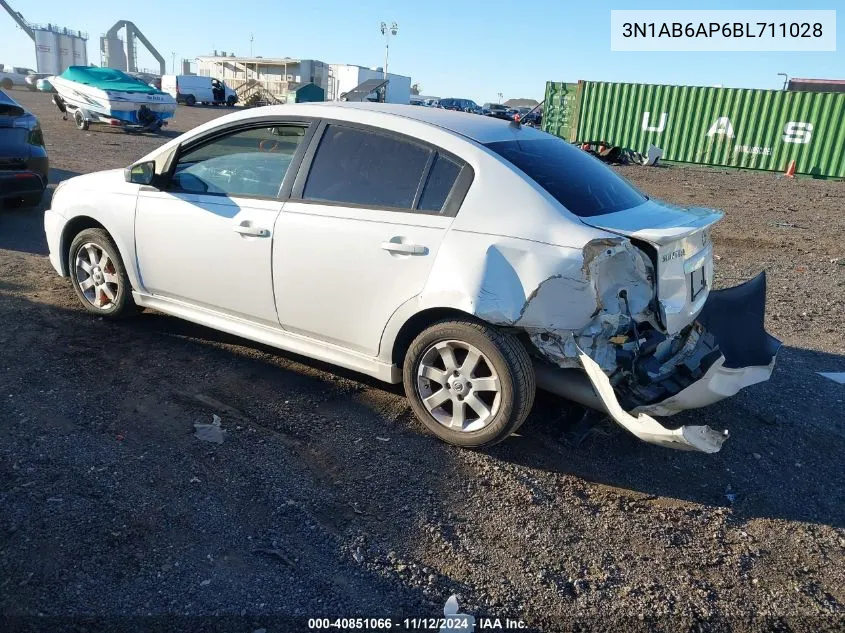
(658, 339)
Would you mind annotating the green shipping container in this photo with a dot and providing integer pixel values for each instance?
(559, 108)
(732, 127)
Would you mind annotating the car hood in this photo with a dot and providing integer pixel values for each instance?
(96, 180)
(657, 222)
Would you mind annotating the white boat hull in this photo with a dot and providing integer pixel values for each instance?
(124, 108)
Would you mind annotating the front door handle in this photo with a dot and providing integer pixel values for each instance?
(246, 228)
(404, 249)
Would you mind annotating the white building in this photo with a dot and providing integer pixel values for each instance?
(345, 77)
(276, 73)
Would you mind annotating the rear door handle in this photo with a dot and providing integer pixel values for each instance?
(246, 228)
(405, 249)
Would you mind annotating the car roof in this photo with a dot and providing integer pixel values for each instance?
(482, 129)
(475, 127)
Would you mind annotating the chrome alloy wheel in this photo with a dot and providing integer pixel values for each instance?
(97, 276)
(459, 386)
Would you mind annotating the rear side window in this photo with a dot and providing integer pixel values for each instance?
(580, 182)
(440, 181)
(362, 167)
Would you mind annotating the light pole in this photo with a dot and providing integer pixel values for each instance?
(501, 96)
(387, 31)
(785, 79)
(173, 63)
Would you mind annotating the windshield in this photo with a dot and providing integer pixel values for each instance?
(580, 182)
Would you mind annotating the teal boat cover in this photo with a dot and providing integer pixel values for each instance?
(107, 79)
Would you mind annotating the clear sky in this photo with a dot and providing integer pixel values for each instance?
(461, 48)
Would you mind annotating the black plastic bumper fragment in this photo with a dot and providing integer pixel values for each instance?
(735, 317)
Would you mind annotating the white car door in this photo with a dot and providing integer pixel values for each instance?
(360, 233)
(206, 238)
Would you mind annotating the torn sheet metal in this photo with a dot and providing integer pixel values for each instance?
(619, 278)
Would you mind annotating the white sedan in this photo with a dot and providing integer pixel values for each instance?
(470, 258)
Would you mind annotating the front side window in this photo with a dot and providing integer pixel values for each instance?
(363, 167)
(250, 162)
(580, 182)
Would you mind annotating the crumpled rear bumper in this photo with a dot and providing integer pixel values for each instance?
(735, 318)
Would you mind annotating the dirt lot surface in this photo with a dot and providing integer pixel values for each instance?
(328, 499)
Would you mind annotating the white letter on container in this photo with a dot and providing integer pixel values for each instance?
(797, 132)
(661, 126)
(722, 126)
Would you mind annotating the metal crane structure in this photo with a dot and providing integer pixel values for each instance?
(113, 52)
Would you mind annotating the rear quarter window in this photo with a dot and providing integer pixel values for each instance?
(583, 184)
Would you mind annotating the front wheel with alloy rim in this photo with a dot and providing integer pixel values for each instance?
(98, 275)
(469, 383)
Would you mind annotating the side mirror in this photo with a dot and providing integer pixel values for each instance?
(140, 173)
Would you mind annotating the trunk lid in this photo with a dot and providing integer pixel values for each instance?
(682, 253)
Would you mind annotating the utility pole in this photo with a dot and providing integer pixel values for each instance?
(501, 96)
(250, 44)
(173, 63)
(387, 31)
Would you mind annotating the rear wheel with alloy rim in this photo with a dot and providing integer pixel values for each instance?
(98, 275)
(469, 383)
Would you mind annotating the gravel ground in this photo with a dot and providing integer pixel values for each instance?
(328, 499)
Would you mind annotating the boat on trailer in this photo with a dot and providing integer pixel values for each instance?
(109, 96)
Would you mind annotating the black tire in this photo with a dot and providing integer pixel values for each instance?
(231, 101)
(511, 362)
(80, 121)
(190, 100)
(122, 305)
(6, 84)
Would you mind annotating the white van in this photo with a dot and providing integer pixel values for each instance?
(193, 89)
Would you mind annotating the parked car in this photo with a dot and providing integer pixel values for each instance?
(14, 77)
(496, 110)
(32, 80)
(23, 159)
(432, 103)
(416, 101)
(534, 118)
(461, 105)
(193, 89)
(148, 78)
(384, 239)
